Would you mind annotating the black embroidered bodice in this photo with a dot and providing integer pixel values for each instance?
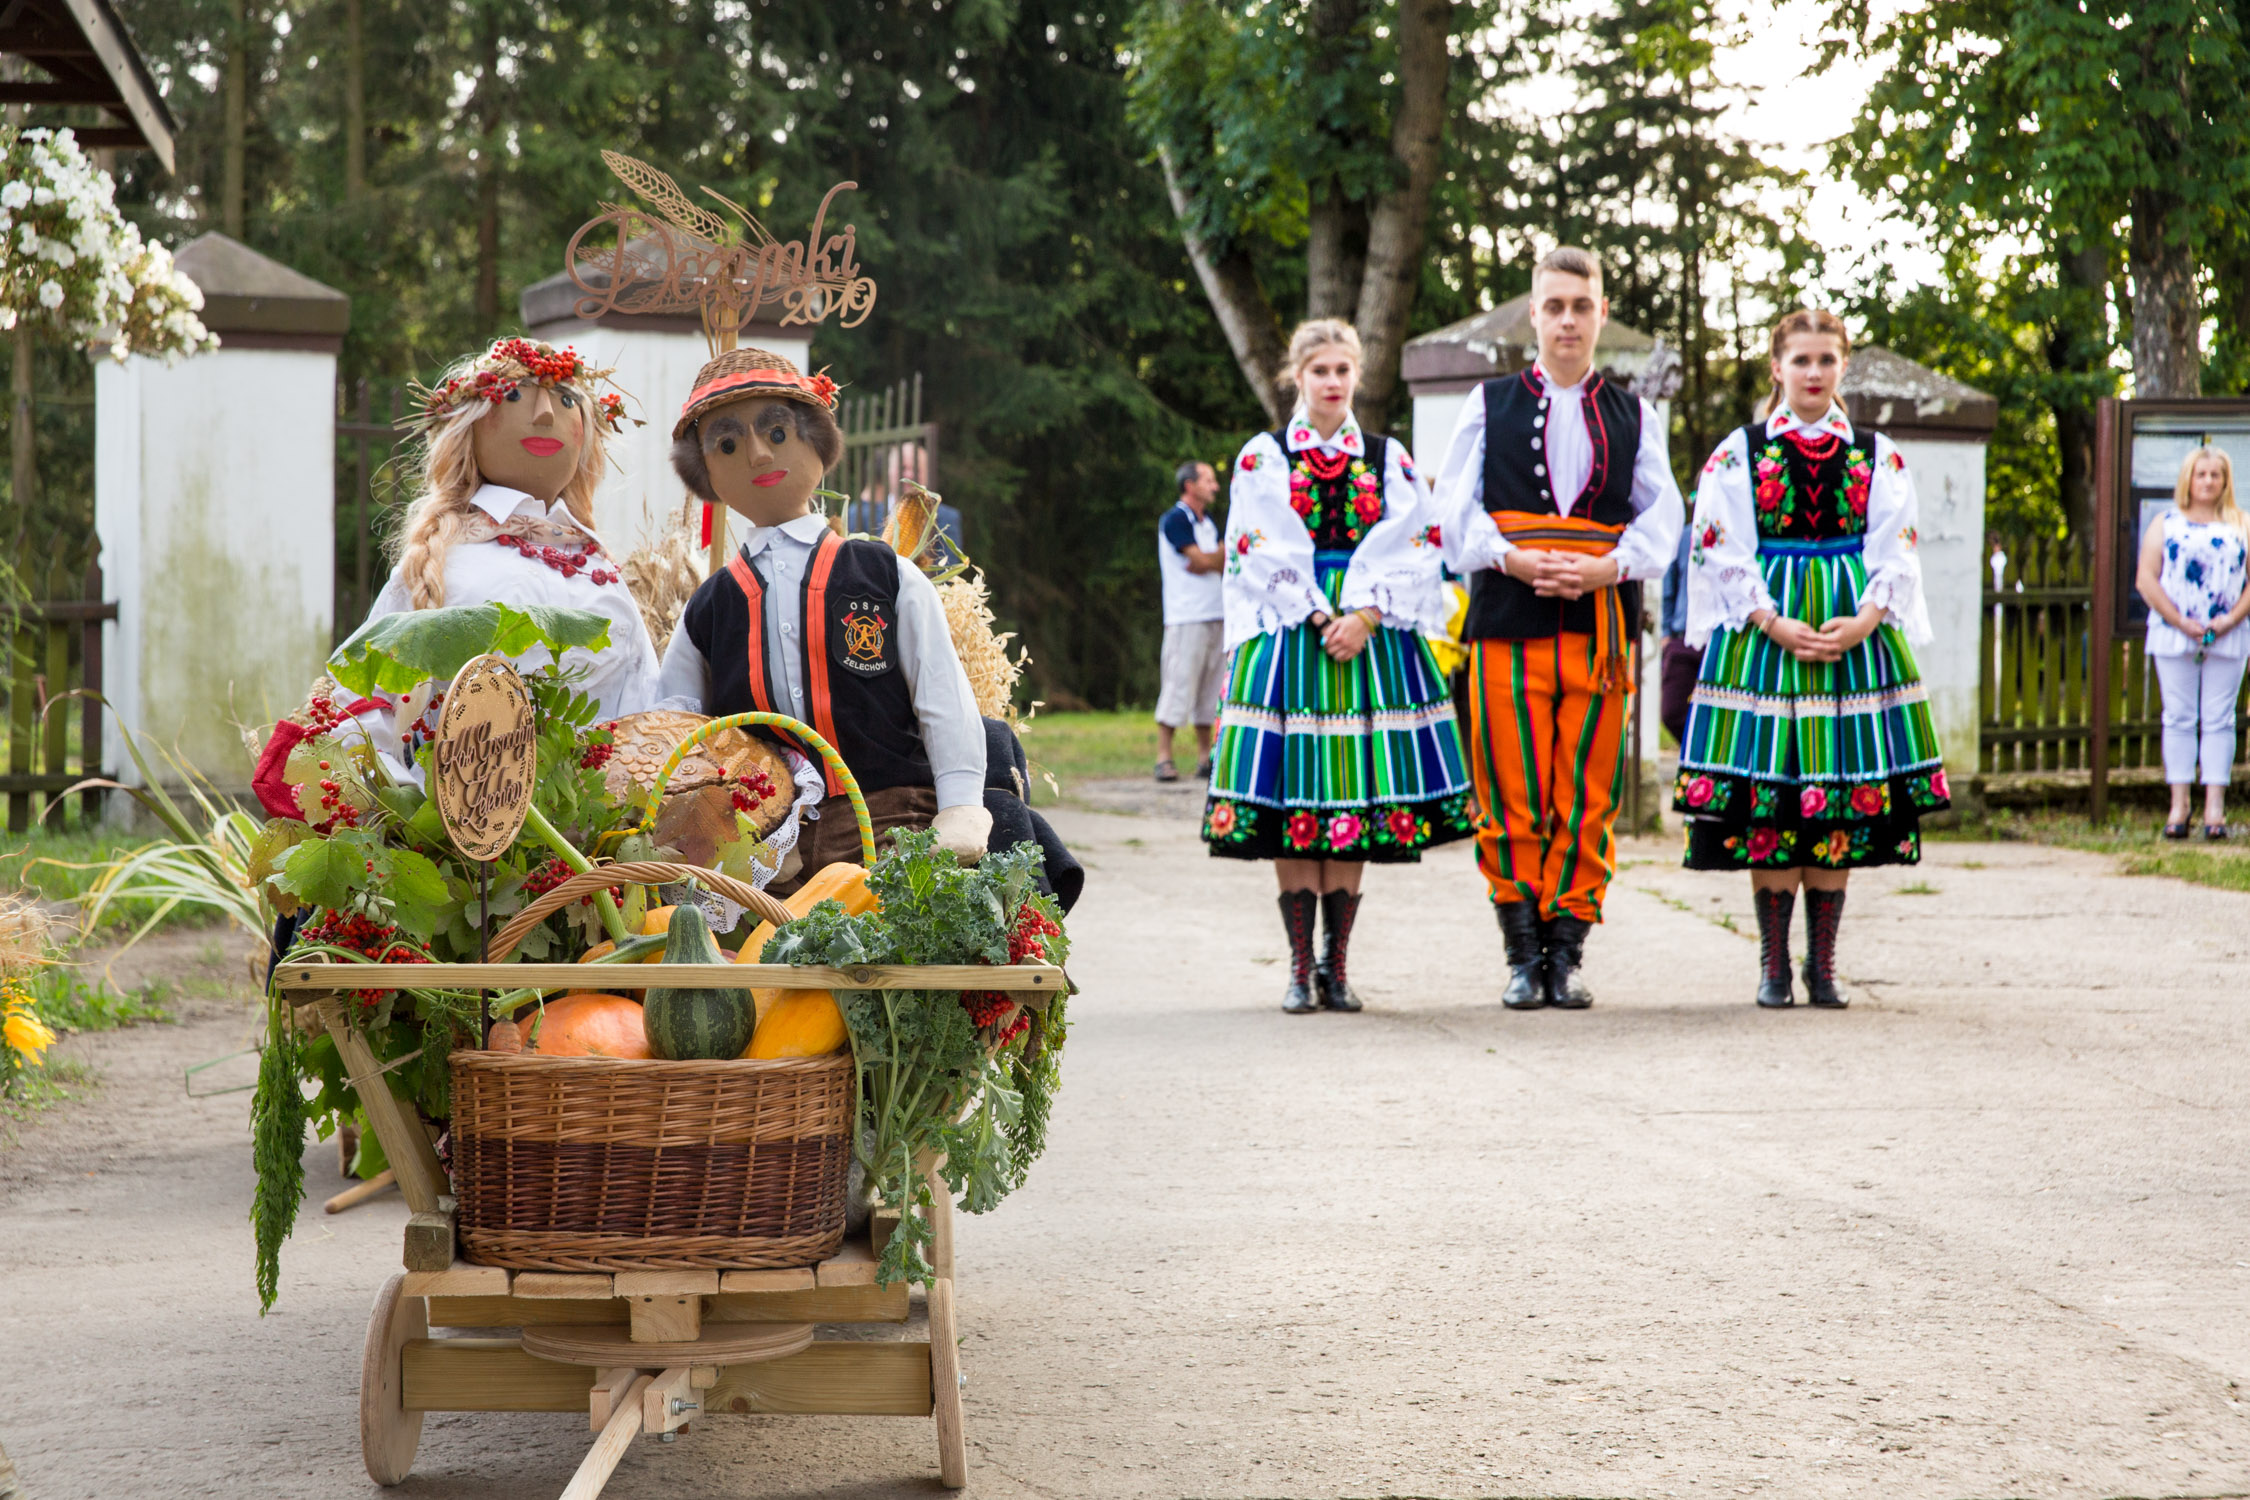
(1337, 496)
(1809, 485)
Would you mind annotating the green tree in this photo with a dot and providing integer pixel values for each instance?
(2063, 121)
(1301, 145)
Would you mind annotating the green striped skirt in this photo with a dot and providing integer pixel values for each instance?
(1321, 759)
(1791, 764)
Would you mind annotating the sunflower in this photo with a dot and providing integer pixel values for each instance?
(20, 1026)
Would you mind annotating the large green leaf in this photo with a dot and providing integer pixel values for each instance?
(397, 653)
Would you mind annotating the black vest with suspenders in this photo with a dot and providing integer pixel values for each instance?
(856, 695)
(1502, 608)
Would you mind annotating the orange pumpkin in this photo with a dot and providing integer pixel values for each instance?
(586, 1025)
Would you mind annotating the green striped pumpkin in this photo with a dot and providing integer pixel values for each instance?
(696, 1024)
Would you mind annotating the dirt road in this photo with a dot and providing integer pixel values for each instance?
(1982, 1234)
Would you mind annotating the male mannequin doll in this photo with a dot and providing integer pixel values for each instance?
(843, 635)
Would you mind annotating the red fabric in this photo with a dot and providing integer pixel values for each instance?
(819, 387)
(706, 524)
(269, 781)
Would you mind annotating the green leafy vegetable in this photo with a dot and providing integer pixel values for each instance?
(962, 1076)
(399, 652)
(277, 1135)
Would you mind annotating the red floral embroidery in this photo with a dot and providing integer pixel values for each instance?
(1301, 829)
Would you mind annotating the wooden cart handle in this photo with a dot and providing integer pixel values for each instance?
(633, 872)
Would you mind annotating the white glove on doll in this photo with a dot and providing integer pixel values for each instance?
(963, 831)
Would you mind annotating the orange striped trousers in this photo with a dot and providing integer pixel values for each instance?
(1546, 753)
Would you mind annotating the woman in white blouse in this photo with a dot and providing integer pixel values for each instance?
(1809, 750)
(2191, 574)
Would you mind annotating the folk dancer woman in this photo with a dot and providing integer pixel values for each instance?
(1809, 749)
(2191, 574)
(1558, 502)
(1337, 746)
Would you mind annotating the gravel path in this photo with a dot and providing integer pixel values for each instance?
(1982, 1234)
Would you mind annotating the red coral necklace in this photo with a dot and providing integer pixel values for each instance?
(569, 564)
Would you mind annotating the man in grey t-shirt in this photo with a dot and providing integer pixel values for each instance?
(1194, 669)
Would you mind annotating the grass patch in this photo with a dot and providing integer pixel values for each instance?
(1074, 747)
(42, 1088)
(1916, 888)
(68, 1001)
(62, 866)
(2136, 838)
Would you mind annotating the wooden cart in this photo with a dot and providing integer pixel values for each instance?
(640, 1352)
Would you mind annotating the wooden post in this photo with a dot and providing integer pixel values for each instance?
(55, 729)
(90, 707)
(421, 1180)
(20, 709)
(2108, 419)
(610, 1448)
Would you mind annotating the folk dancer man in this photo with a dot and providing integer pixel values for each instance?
(1557, 500)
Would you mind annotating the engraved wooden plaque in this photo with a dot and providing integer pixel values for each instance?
(485, 758)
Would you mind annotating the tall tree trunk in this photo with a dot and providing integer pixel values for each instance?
(236, 106)
(2077, 346)
(488, 176)
(1400, 218)
(2167, 322)
(1336, 227)
(1335, 256)
(1230, 283)
(355, 104)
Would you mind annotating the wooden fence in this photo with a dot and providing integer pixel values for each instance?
(2037, 708)
(58, 648)
(367, 436)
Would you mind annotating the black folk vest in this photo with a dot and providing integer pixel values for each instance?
(1502, 608)
(855, 691)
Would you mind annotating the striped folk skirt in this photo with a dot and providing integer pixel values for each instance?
(1791, 764)
(1320, 759)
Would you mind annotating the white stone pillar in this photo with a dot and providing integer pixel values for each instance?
(214, 498)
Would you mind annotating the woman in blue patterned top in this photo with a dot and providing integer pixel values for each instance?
(2191, 574)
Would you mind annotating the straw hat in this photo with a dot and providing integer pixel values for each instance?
(742, 372)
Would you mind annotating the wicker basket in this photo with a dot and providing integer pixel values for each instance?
(603, 1164)
(608, 1164)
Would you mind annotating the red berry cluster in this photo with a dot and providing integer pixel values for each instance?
(569, 564)
(555, 367)
(545, 878)
(594, 757)
(322, 715)
(611, 409)
(1026, 944)
(332, 802)
(752, 790)
(366, 937)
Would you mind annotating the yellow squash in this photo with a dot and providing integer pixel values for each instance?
(799, 1023)
(847, 883)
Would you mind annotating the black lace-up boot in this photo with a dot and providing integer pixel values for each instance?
(1527, 967)
(1774, 910)
(1298, 912)
(1824, 913)
(1337, 910)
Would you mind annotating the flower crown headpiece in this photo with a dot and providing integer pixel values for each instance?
(503, 368)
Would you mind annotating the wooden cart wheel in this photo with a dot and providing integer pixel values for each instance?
(388, 1432)
(945, 1387)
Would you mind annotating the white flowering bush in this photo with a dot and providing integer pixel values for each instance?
(69, 261)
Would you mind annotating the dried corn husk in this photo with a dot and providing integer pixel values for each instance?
(912, 518)
(663, 576)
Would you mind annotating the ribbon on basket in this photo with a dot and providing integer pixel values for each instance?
(1542, 532)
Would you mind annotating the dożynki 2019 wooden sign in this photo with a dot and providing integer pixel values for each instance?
(485, 758)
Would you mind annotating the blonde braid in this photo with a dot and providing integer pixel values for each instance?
(436, 521)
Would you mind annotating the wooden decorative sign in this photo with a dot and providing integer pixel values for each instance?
(485, 758)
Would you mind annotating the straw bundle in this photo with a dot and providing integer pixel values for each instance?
(983, 650)
(663, 576)
(23, 934)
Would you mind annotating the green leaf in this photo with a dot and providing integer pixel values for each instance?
(325, 872)
(417, 893)
(397, 653)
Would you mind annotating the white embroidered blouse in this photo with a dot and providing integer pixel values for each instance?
(481, 569)
(1725, 584)
(1270, 579)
